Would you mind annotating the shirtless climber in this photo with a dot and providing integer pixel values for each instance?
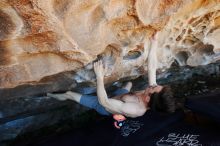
(154, 97)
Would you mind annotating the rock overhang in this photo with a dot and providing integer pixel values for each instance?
(41, 39)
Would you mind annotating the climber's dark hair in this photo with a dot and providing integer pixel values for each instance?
(163, 101)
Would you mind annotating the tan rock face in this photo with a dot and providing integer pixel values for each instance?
(41, 38)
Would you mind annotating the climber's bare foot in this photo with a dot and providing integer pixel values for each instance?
(128, 86)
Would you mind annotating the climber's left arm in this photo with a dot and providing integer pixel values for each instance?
(112, 105)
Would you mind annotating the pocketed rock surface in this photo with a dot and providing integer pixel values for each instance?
(40, 39)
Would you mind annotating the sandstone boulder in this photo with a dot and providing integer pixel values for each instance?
(39, 38)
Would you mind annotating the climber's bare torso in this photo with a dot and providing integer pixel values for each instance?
(130, 97)
(135, 101)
